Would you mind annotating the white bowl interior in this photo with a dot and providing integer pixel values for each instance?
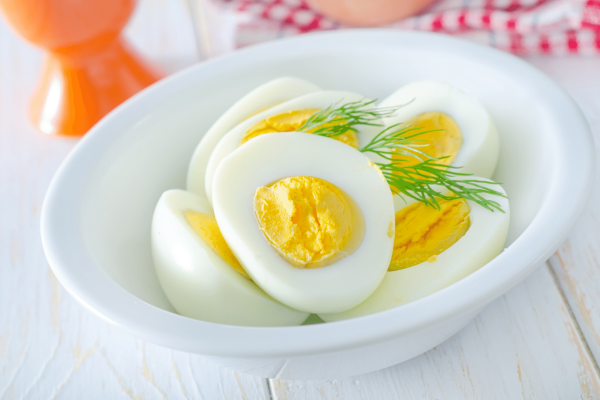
(152, 155)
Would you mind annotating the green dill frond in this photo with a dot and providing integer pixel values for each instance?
(419, 182)
(398, 144)
(398, 140)
(336, 120)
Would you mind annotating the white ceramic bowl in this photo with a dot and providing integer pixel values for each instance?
(97, 213)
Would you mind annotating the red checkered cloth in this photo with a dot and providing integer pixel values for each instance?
(519, 26)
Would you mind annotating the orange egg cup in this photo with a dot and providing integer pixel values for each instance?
(89, 68)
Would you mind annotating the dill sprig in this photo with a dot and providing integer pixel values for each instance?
(396, 145)
(335, 120)
(419, 181)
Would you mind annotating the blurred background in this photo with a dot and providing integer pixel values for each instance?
(91, 67)
(540, 340)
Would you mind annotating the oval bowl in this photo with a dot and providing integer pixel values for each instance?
(97, 213)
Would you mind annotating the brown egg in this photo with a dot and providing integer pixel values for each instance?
(368, 12)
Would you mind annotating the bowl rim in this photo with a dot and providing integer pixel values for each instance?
(565, 200)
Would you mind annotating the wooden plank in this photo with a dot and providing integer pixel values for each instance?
(576, 268)
(50, 347)
(524, 345)
(576, 264)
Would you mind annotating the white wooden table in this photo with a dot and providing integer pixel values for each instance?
(539, 341)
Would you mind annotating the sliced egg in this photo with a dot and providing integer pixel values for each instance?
(285, 117)
(455, 125)
(427, 235)
(198, 272)
(263, 97)
(310, 219)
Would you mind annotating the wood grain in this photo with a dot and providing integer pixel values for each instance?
(524, 345)
(577, 262)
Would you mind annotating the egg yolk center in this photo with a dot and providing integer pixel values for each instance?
(206, 227)
(441, 137)
(310, 222)
(290, 122)
(423, 232)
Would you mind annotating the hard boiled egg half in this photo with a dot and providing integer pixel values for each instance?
(310, 219)
(286, 117)
(453, 123)
(198, 272)
(263, 97)
(434, 248)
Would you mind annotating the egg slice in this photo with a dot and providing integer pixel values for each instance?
(263, 97)
(427, 257)
(455, 125)
(285, 117)
(311, 219)
(198, 272)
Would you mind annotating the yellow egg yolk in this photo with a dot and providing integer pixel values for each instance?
(310, 222)
(290, 122)
(441, 137)
(423, 232)
(206, 227)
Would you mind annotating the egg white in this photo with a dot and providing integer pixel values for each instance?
(269, 158)
(481, 243)
(478, 154)
(322, 99)
(267, 95)
(200, 284)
